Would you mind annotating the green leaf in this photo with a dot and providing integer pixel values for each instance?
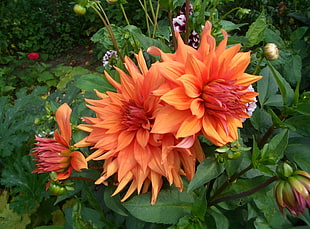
(273, 151)
(89, 82)
(298, 150)
(220, 219)
(285, 89)
(257, 30)
(292, 69)
(206, 171)
(170, 206)
(144, 41)
(273, 37)
(266, 87)
(113, 202)
(298, 34)
(49, 227)
(301, 123)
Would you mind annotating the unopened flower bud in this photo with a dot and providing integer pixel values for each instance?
(112, 1)
(271, 51)
(284, 170)
(294, 192)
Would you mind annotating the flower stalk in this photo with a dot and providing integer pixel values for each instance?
(243, 194)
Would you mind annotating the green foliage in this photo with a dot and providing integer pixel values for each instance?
(230, 188)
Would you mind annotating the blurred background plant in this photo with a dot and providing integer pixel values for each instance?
(32, 90)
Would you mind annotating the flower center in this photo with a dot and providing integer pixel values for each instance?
(135, 117)
(223, 98)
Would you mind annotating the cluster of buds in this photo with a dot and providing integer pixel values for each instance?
(292, 191)
(109, 57)
(179, 23)
(281, 9)
(230, 151)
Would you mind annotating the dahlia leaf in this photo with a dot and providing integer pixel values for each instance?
(301, 124)
(285, 89)
(206, 171)
(170, 206)
(257, 30)
(220, 219)
(267, 86)
(298, 150)
(89, 82)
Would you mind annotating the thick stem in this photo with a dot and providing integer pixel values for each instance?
(243, 194)
(266, 136)
(124, 13)
(229, 181)
(109, 29)
(174, 40)
(186, 22)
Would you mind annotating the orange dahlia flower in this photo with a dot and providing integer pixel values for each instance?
(55, 155)
(207, 89)
(122, 135)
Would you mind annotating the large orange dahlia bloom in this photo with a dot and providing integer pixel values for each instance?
(55, 155)
(122, 134)
(207, 89)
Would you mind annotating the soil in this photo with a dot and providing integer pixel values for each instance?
(83, 56)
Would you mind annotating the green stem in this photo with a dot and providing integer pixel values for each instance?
(230, 181)
(174, 39)
(186, 22)
(258, 65)
(212, 10)
(155, 19)
(243, 194)
(266, 136)
(107, 24)
(229, 12)
(124, 13)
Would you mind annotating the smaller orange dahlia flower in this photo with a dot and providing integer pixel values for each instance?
(55, 155)
(121, 133)
(207, 89)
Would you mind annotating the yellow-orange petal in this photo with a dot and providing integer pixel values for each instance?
(190, 126)
(78, 161)
(63, 120)
(177, 98)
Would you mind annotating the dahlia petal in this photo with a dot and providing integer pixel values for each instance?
(123, 182)
(124, 139)
(198, 107)
(168, 120)
(222, 45)
(63, 120)
(78, 161)
(131, 189)
(247, 79)
(190, 126)
(192, 85)
(141, 63)
(177, 98)
(158, 52)
(143, 137)
(110, 167)
(142, 156)
(156, 186)
(95, 154)
(115, 84)
(186, 142)
(210, 131)
(60, 139)
(126, 162)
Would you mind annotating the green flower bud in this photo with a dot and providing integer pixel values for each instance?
(284, 170)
